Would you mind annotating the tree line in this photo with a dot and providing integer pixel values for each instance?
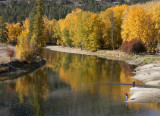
(17, 11)
(108, 29)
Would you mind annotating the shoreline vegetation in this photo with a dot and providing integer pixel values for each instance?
(10, 69)
(29, 40)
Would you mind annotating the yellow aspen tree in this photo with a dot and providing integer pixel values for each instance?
(75, 27)
(156, 20)
(118, 17)
(106, 31)
(23, 47)
(48, 29)
(91, 31)
(64, 29)
(13, 32)
(56, 32)
(81, 29)
(112, 19)
(62, 25)
(138, 24)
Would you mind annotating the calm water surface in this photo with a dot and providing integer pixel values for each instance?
(67, 86)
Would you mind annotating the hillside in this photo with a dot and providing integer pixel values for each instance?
(18, 10)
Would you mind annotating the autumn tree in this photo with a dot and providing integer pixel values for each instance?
(138, 24)
(50, 30)
(23, 46)
(75, 28)
(155, 15)
(60, 27)
(81, 29)
(91, 31)
(112, 19)
(57, 32)
(13, 32)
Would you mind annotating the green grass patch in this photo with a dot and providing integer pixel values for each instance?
(149, 60)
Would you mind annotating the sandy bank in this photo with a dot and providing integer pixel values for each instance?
(144, 95)
(149, 74)
(109, 54)
(3, 53)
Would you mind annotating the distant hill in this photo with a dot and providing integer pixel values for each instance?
(81, 2)
(18, 10)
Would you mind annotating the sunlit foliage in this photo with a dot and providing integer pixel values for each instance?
(87, 30)
(138, 24)
(112, 19)
(80, 29)
(13, 32)
(23, 46)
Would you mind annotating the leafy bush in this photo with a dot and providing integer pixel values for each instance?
(10, 53)
(134, 46)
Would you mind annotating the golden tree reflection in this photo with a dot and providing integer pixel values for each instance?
(34, 86)
(76, 70)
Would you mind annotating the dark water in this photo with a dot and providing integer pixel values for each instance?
(61, 89)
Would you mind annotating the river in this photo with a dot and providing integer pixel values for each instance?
(73, 85)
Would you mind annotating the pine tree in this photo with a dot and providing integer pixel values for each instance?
(31, 21)
(3, 32)
(38, 26)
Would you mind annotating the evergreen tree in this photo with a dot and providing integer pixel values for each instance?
(31, 21)
(3, 31)
(38, 26)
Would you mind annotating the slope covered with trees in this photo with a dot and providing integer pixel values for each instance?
(16, 11)
(137, 25)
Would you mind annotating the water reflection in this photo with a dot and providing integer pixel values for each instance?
(77, 70)
(61, 89)
(34, 86)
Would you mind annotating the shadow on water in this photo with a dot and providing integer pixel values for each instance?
(137, 85)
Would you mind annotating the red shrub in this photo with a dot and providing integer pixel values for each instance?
(134, 46)
(10, 52)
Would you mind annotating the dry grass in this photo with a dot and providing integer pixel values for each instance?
(3, 54)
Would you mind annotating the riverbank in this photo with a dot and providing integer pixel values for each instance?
(3, 53)
(110, 54)
(10, 69)
(149, 74)
(148, 66)
(147, 71)
(144, 95)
